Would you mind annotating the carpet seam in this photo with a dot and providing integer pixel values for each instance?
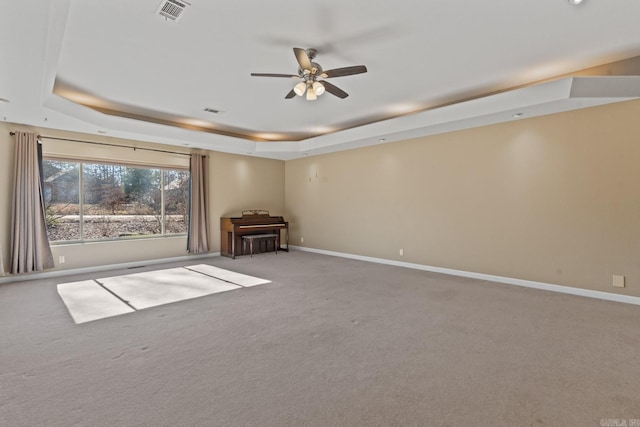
(214, 277)
(114, 294)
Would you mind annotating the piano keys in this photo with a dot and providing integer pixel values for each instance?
(252, 222)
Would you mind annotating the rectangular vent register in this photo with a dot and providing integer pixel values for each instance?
(172, 9)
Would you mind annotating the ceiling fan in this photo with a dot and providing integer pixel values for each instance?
(312, 76)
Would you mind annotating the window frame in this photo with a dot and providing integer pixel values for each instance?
(81, 162)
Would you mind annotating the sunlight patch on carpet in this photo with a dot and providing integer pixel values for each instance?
(90, 300)
(87, 301)
(151, 288)
(228, 276)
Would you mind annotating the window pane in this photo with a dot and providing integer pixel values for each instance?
(143, 208)
(61, 199)
(121, 201)
(176, 201)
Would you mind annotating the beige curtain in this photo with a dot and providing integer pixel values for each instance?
(1, 262)
(198, 239)
(30, 250)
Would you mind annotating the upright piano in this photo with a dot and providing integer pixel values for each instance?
(252, 222)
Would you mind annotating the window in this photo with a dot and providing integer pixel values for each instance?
(88, 201)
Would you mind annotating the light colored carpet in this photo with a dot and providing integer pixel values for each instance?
(90, 300)
(329, 342)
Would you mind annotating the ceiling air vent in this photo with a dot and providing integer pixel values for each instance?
(212, 110)
(172, 9)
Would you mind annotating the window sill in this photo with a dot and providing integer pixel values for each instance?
(118, 239)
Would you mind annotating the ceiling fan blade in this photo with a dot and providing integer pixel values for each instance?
(290, 95)
(274, 75)
(344, 71)
(334, 90)
(303, 59)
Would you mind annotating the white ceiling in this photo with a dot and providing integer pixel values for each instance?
(420, 54)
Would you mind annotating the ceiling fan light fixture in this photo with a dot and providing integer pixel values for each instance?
(318, 88)
(311, 95)
(575, 2)
(300, 88)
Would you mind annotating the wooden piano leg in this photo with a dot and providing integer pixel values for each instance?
(233, 245)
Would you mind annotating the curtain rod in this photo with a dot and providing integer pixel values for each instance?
(110, 145)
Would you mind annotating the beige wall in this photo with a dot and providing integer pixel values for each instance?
(237, 183)
(241, 182)
(554, 199)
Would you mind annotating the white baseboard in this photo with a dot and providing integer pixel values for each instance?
(500, 279)
(98, 268)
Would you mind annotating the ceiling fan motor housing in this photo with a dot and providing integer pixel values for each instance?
(313, 74)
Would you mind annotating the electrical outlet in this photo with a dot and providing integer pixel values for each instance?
(401, 252)
(618, 281)
(61, 259)
(301, 239)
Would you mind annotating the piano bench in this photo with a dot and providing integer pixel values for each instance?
(268, 237)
